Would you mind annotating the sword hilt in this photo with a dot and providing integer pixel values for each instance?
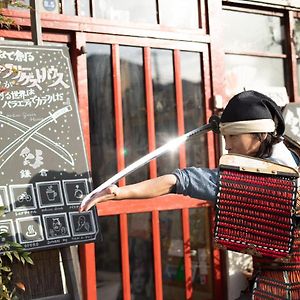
(214, 122)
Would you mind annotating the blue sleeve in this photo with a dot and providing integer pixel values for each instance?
(198, 183)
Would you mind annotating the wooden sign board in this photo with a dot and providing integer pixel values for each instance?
(43, 166)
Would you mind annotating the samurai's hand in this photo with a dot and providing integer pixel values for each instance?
(110, 193)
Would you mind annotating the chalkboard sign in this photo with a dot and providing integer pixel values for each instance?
(43, 167)
(291, 114)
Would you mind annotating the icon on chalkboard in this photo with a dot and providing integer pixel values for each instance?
(75, 190)
(56, 226)
(30, 231)
(51, 194)
(78, 193)
(24, 197)
(4, 198)
(32, 160)
(7, 231)
(82, 224)
(4, 228)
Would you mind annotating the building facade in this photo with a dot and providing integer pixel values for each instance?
(146, 71)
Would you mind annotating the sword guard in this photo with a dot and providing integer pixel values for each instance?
(214, 121)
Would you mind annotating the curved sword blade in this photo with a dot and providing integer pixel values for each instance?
(174, 143)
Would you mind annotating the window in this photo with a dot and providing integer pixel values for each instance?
(102, 124)
(180, 14)
(297, 46)
(130, 10)
(134, 110)
(164, 106)
(255, 51)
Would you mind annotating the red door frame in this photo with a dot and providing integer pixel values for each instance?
(124, 207)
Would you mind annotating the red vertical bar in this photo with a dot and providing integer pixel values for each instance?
(207, 96)
(150, 109)
(125, 257)
(121, 165)
(187, 253)
(157, 256)
(220, 267)
(80, 76)
(179, 105)
(86, 251)
(88, 271)
(118, 109)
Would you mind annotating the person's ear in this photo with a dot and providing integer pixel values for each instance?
(262, 137)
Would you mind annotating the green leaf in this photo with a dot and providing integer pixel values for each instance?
(29, 260)
(2, 210)
(16, 255)
(9, 255)
(6, 269)
(16, 245)
(22, 260)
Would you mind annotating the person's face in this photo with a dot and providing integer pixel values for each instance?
(245, 144)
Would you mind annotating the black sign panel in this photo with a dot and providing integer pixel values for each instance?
(43, 167)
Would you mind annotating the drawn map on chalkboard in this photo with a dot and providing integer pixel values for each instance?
(43, 166)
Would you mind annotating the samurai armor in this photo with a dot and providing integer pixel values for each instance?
(256, 206)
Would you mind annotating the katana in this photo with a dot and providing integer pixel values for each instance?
(10, 149)
(171, 145)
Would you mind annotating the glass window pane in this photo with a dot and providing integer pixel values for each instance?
(101, 109)
(298, 73)
(196, 148)
(85, 9)
(253, 32)
(172, 255)
(69, 7)
(134, 110)
(178, 13)
(297, 45)
(164, 107)
(248, 72)
(297, 36)
(108, 270)
(129, 10)
(141, 256)
(201, 254)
